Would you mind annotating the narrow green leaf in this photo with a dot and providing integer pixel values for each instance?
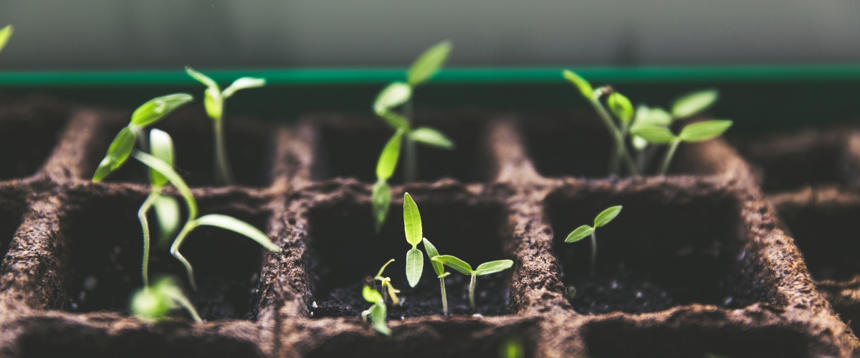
(580, 83)
(167, 215)
(377, 318)
(620, 107)
(579, 233)
(172, 177)
(395, 120)
(243, 83)
(432, 137)
(161, 146)
(414, 266)
(169, 289)
(389, 156)
(693, 103)
(213, 102)
(392, 96)
(202, 78)
(382, 269)
(411, 221)
(370, 295)
(431, 251)
(158, 107)
(381, 202)
(5, 34)
(655, 116)
(428, 63)
(118, 151)
(653, 134)
(607, 215)
(702, 131)
(238, 226)
(455, 263)
(491, 267)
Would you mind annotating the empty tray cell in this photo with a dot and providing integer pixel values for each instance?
(250, 148)
(577, 144)
(12, 206)
(345, 252)
(618, 338)
(105, 245)
(29, 133)
(350, 147)
(791, 161)
(695, 232)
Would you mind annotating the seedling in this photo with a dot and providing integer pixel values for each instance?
(385, 284)
(695, 132)
(439, 268)
(384, 170)
(155, 302)
(605, 217)
(486, 268)
(5, 34)
(414, 234)
(213, 101)
(376, 312)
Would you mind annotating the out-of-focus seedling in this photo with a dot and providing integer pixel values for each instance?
(486, 268)
(583, 231)
(5, 34)
(155, 302)
(377, 312)
(414, 234)
(439, 268)
(512, 348)
(213, 101)
(694, 132)
(385, 284)
(381, 196)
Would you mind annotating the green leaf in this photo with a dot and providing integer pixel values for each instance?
(414, 266)
(172, 177)
(607, 216)
(377, 318)
(238, 226)
(432, 137)
(411, 221)
(382, 269)
(579, 233)
(652, 116)
(639, 143)
(161, 146)
(381, 202)
(392, 96)
(428, 63)
(202, 78)
(455, 263)
(370, 295)
(580, 83)
(620, 107)
(491, 267)
(653, 134)
(213, 102)
(118, 151)
(167, 215)
(243, 83)
(168, 288)
(5, 34)
(150, 304)
(158, 107)
(388, 158)
(702, 131)
(395, 120)
(693, 103)
(431, 251)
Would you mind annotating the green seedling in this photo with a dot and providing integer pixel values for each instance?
(695, 132)
(605, 217)
(376, 312)
(486, 268)
(214, 99)
(512, 348)
(439, 268)
(155, 302)
(381, 197)
(386, 286)
(5, 34)
(414, 234)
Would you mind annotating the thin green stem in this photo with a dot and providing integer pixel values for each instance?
(144, 228)
(615, 132)
(472, 291)
(669, 154)
(223, 172)
(444, 296)
(174, 251)
(593, 252)
(183, 301)
(410, 170)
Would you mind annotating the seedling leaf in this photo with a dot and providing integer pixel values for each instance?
(411, 221)
(382, 269)
(161, 146)
(238, 226)
(653, 133)
(620, 107)
(702, 131)
(167, 214)
(432, 137)
(381, 202)
(171, 176)
(243, 83)
(377, 318)
(392, 96)
(579, 233)
(414, 266)
(118, 151)
(652, 116)
(156, 301)
(158, 107)
(693, 103)
(455, 263)
(607, 216)
(202, 78)
(428, 63)
(492, 267)
(580, 83)
(5, 34)
(213, 102)
(431, 251)
(388, 158)
(370, 295)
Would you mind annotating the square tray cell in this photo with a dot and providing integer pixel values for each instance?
(345, 251)
(350, 147)
(104, 239)
(696, 234)
(250, 147)
(577, 144)
(28, 134)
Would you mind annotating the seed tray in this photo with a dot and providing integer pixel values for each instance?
(699, 262)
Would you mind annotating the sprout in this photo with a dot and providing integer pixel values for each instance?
(376, 312)
(464, 268)
(166, 207)
(431, 251)
(512, 348)
(414, 234)
(381, 197)
(5, 34)
(213, 101)
(581, 232)
(385, 283)
(695, 132)
(154, 302)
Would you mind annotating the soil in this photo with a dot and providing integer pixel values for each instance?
(697, 263)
